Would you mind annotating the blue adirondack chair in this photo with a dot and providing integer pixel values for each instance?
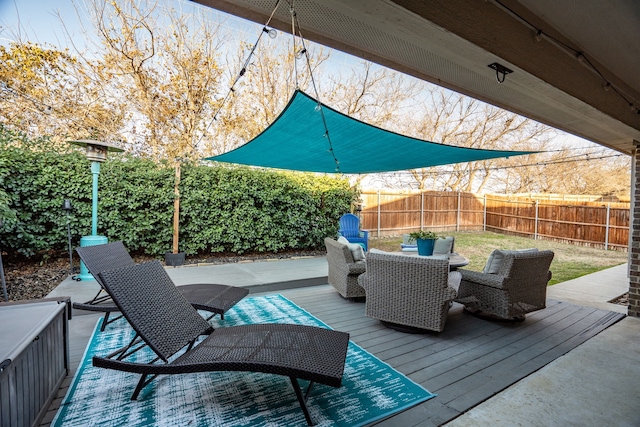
(350, 229)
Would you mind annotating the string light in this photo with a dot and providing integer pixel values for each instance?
(295, 29)
(271, 32)
(579, 55)
(496, 168)
(301, 53)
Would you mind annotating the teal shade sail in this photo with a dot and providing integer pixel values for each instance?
(299, 140)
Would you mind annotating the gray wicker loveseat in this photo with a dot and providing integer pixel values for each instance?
(409, 293)
(512, 284)
(344, 269)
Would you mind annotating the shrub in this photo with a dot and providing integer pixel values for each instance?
(222, 208)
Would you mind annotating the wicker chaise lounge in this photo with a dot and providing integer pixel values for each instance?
(167, 323)
(215, 299)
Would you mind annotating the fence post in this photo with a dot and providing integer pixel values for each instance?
(535, 230)
(458, 215)
(378, 213)
(606, 230)
(422, 210)
(484, 214)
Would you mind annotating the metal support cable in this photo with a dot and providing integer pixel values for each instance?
(241, 73)
(305, 52)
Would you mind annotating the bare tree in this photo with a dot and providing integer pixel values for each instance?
(45, 91)
(264, 77)
(166, 66)
(454, 119)
(593, 171)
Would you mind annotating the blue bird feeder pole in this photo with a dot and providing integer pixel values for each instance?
(97, 153)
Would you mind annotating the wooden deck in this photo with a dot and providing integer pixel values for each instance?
(467, 363)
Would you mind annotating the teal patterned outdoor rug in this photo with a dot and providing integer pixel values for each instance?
(371, 390)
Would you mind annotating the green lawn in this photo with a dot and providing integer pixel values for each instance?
(569, 262)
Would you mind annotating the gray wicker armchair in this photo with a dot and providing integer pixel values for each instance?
(408, 291)
(510, 288)
(343, 269)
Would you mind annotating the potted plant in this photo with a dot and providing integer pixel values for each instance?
(425, 240)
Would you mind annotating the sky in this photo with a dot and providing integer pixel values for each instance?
(45, 21)
(36, 20)
(39, 21)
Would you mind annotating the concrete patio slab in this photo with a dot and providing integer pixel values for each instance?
(593, 385)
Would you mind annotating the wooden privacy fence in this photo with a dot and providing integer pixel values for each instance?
(598, 224)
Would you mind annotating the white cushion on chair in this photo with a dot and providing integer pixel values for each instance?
(356, 250)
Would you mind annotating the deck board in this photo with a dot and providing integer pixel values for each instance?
(471, 360)
(467, 363)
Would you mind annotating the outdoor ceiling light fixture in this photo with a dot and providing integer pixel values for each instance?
(501, 71)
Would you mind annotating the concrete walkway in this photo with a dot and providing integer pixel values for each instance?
(258, 276)
(595, 384)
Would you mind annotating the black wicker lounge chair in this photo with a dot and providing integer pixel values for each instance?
(164, 320)
(215, 299)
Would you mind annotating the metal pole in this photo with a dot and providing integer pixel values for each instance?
(66, 206)
(70, 250)
(95, 171)
(4, 283)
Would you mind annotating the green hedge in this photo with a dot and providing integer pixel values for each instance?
(222, 208)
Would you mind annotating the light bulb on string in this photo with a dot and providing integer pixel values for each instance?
(271, 32)
(301, 53)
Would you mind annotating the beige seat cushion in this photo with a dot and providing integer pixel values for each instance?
(443, 245)
(356, 250)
